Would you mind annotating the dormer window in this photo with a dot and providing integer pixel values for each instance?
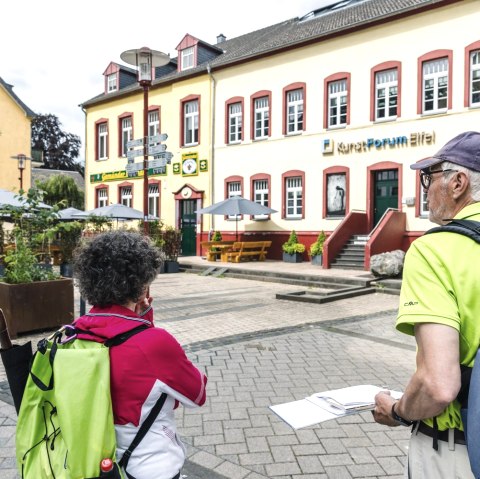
(112, 83)
(187, 58)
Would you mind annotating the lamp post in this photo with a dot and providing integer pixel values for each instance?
(22, 163)
(145, 60)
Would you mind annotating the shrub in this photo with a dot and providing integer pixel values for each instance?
(317, 247)
(292, 246)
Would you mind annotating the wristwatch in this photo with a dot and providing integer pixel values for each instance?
(400, 419)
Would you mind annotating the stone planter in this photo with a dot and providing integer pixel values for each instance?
(317, 259)
(293, 258)
(36, 306)
(172, 267)
(66, 270)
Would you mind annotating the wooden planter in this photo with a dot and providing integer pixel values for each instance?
(293, 258)
(35, 306)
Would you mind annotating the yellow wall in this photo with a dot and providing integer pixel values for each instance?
(15, 138)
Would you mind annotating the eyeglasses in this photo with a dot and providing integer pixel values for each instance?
(426, 177)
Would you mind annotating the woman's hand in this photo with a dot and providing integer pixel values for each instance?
(143, 304)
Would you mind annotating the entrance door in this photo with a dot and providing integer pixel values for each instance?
(188, 221)
(386, 192)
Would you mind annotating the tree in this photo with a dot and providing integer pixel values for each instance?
(62, 188)
(60, 149)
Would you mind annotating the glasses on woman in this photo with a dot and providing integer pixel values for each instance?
(426, 176)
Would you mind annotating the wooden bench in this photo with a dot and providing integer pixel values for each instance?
(213, 255)
(247, 250)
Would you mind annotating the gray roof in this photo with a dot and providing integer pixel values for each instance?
(42, 174)
(317, 26)
(9, 89)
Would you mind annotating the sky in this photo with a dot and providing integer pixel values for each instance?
(54, 52)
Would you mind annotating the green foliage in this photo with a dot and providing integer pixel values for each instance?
(98, 224)
(172, 243)
(155, 232)
(292, 246)
(317, 247)
(217, 236)
(69, 234)
(62, 189)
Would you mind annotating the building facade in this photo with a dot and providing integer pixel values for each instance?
(320, 117)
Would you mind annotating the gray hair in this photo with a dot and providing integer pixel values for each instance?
(472, 175)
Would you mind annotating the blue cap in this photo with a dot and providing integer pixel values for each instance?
(463, 150)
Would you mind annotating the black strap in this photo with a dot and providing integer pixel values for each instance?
(468, 228)
(142, 431)
(121, 338)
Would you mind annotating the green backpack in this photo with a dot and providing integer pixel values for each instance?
(65, 425)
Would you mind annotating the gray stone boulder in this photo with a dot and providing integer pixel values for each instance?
(387, 264)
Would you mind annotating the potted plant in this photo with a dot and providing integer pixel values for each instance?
(316, 249)
(171, 245)
(32, 297)
(68, 234)
(214, 251)
(292, 249)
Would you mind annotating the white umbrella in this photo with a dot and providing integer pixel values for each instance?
(236, 205)
(9, 198)
(116, 211)
(67, 213)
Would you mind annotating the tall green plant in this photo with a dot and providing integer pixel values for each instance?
(317, 247)
(292, 246)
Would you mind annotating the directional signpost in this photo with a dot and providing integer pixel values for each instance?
(154, 148)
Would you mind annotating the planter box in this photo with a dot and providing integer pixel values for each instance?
(172, 267)
(35, 306)
(317, 259)
(293, 258)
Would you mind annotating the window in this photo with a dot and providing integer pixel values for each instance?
(235, 122)
(102, 197)
(126, 196)
(386, 94)
(187, 58)
(127, 134)
(294, 197)
(423, 202)
(337, 103)
(260, 195)
(435, 85)
(295, 111)
(262, 114)
(112, 83)
(190, 115)
(153, 123)
(102, 141)
(336, 188)
(234, 189)
(154, 200)
(475, 78)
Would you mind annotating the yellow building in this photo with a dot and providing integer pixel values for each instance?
(15, 139)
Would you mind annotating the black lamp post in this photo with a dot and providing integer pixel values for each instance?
(22, 163)
(145, 60)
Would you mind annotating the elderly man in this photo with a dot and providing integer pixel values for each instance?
(440, 305)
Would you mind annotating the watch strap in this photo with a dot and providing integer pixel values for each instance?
(400, 419)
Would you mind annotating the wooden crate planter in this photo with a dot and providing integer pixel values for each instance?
(38, 305)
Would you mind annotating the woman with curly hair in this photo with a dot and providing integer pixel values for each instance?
(113, 273)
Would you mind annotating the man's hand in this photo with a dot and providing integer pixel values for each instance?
(383, 409)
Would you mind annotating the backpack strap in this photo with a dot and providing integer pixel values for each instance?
(468, 228)
(146, 425)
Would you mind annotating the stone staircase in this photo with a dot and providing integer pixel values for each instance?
(352, 255)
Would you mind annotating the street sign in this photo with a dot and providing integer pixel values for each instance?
(153, 150)
(134, 153)
(157, 163)
(166, 154)
(157, 138)
(132, 167)
(134, 143)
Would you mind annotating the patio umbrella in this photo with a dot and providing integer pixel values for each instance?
(16, 361)
(9, 198)
(67, 213)
(236, 205)
(116, 211)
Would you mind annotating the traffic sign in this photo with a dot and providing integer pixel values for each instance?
(157, 163)
(166, 154)
(132, 167)
(153, 150)
(157, 138)
(134, 153)
(134, 143)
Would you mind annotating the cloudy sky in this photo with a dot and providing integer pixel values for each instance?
(55, 51)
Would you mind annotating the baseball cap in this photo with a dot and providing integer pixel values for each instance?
(463, 150)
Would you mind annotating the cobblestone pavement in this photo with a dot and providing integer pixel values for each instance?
(258, 351)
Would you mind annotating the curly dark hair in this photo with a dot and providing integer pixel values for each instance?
(115, 267)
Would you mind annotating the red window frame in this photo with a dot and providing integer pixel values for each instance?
(390, 65)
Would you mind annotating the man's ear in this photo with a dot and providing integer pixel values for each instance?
(460, 184)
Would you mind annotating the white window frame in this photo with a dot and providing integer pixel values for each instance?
(234, 189)
(190, 113)
(102, 197)
(102, 132)
(475, 78)
(235, 123)
(424, 211)
(126, 196)
(260, 196)
(261, 118)
(337, 103)
(294, 111)
(294, 197)
(188, 58)
(127, 133)
(435, 80)
(153, 123)
(386, 94)
(153, 202)
(112, 84)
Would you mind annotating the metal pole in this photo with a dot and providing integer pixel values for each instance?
(145, 156)
(21, 178)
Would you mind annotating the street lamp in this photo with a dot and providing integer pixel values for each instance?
(145, 60)
(22, 163)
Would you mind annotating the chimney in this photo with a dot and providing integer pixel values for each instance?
(221, 38)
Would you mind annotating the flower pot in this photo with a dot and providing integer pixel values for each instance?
(172, 267)
(317, 259)
(38, 305)
(293, 258)
(66, 270)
